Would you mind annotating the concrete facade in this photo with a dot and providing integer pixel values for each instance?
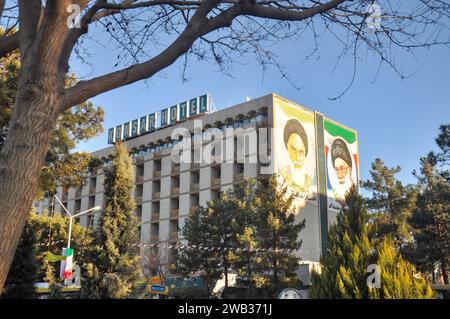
(166, 192)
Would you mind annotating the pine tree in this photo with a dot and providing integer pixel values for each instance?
(116, 255)
(245, 260)
(214, 228)
(223, 228)
(23, 273)
(250, 229)
(344, 272)
(344, 265)
(398, 278)
(431, 219)
(391, 203)
(277, 235)
(197, 259)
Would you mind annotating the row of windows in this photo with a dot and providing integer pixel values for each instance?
(237, 124)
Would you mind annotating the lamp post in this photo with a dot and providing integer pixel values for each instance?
(68, 252)
(71, 217)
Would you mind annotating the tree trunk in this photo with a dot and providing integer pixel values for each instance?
(21, 159)
(444, 272)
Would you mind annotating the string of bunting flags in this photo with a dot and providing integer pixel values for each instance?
(205, 248)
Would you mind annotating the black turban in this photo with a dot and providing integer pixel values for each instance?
(339, 149)
(294, 126)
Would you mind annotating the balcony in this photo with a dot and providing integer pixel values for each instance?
(78, 193)
(155, 216)
(139, 179)
(174, 212)
(193, 209)
(139, 159)
(215, 182)
(173, 235)
(175, 191)
(156, 195)
(157, 154)
(157, 174)
(175, 169)
(64, 197)
(92, 190)
(194, 186)
(239, 177)
(138, 200)
(154, 238)
(195, 166)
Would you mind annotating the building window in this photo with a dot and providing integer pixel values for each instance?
(154, 232)
(138, 192)
(139, 170)
(156, 186)
(173, 230)
(239, 168)
(157, 167)
(91, 202)
(139, 212)
(215, 194)
(77, 206)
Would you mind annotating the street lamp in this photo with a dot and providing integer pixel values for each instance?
(71, 217)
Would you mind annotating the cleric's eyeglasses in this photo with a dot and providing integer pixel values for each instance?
(341, 169)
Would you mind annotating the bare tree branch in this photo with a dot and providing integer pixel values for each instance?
(198, 26)
(9, 44)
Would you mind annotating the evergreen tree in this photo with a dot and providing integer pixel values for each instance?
(344, 266)
(245, 260)
(391, 203)
(215, 229)
(431, 219)
(277, 235)
(197, 259)
(116, 255)
(223, 230)
(344, 272)
(443, 141)
(24, 270)
(398, 278)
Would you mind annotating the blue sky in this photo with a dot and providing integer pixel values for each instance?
(397, 120)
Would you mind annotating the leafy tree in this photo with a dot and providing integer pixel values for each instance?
(277, 235)
(62, 165)
(52, 235)
(398, 278)
(24, 270)
(344, 272)
(44, 233)
(391, 203)
(115, 256)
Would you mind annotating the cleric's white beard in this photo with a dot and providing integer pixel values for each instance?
(298, 175)
(342, 189)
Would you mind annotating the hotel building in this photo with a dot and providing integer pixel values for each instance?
(317, 156)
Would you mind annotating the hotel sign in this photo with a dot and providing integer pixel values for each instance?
(148, 123)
